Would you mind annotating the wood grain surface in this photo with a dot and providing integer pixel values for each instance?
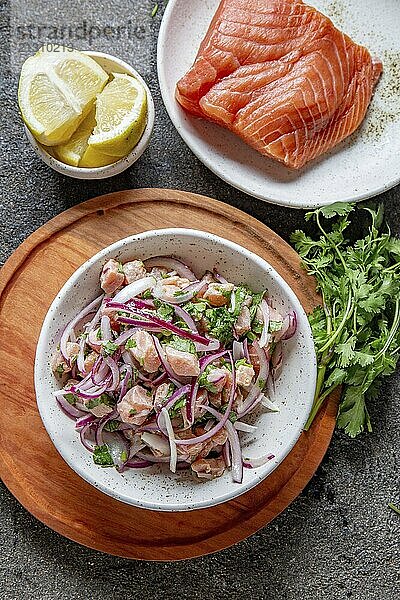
(30, 465)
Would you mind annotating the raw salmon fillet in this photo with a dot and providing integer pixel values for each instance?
(282, 77)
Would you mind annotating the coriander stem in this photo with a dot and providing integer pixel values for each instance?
(393, 329)
(330, 243)
(339, 330)
(318, 397)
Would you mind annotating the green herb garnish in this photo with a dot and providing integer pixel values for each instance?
(182, 344)
(357, 329)
(131, 343)
(165, 311)
(174, 410)
(71, 398)
(220, 324)
(102, 456)
(240, 293)
(112, 425)
(275, 326)
(197, 309)
(103, 399)
(242, 362)
(109, 348)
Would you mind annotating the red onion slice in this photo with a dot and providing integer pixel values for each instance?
(253, 463)
(69, 328)
(207, 360)
(172, 264)
(105, 327)
(80, 361)
(134, 289)
(245, 427)
(165, 363)
(256, 389)
(124, 383)
(82, 435)
(184, 315)
(219, 277)
(153, 322)
(85, 420)
(238, 351)
(124, 337)
(91, 393)
(171, 438)
(246, 350)
(224, 417)
(213, 346)
(291, 330)
(226, 453)
(100, 426)
(115, 375)
(137, 464)
(187, 293)
(234, 443)
(68, 408)
(265, 313)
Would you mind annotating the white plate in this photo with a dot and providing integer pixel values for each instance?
(156, 487)
(362, 166)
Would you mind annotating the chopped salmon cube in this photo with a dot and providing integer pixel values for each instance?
(183, 363)
(144, 350)
(111, 278)
(136, 405)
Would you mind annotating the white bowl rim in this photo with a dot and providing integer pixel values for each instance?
(120, 164)
(41, 344)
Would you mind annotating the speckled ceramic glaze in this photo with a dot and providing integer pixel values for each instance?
(155, 487)
(110, 64)
(362, 166)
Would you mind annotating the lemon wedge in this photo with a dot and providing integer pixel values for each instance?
(93, 158)
(56, 91)
(121, 115)
(71, 153)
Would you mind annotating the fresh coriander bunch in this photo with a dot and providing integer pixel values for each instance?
(357, 329)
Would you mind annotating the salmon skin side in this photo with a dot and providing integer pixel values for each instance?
(282, 77)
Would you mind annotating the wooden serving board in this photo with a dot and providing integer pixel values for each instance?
(30, 465)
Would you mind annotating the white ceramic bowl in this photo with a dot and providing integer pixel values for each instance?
(156, 488)
(110, 64)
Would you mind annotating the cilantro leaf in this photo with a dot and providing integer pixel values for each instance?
(131, 343)
(165, 311)
(112, 425)
(102, 456)
(340, 209)
(71, 398)
(103, 399)
(196, 309)
(109, 348)
(220, 324)
(182, 344)
(353, 415)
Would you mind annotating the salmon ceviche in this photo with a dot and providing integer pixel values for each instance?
(163, 367)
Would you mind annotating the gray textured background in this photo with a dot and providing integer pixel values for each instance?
(338, 539)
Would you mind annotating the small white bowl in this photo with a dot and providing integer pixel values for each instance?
(156, 488)
(110, 64)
